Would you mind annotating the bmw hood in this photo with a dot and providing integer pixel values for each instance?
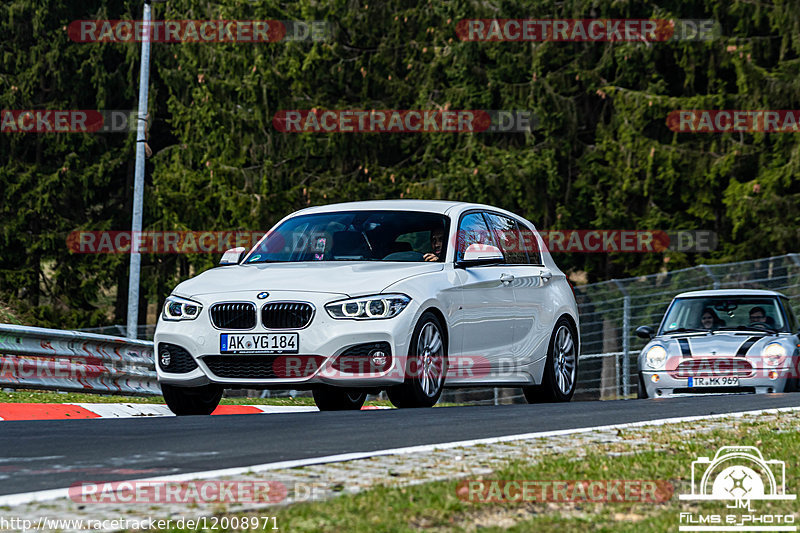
(346, 278)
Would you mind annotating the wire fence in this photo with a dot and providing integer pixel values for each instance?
(610, 312)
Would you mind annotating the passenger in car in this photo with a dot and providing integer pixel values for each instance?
(710, 320)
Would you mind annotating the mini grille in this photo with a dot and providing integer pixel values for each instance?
(235, 315)
(286, 315)
(714, 367)
(180, 360)
(263, 366)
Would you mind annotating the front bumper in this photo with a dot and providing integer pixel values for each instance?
(324, 336)
(660, 384)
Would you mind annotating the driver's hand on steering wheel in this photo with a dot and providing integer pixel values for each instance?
(430, 257)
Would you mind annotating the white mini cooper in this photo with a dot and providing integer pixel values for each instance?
(718, 341)
(406, 296)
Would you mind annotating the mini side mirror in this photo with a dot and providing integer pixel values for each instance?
(644, 332)
(232, 256)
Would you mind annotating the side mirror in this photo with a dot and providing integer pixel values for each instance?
(232, 256)
(481, 254)
(644, 332)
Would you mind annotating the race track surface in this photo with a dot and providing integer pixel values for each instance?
(48, 454)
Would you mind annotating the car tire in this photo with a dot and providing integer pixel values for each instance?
(336, 399)
(641, 394)
(185, 401)
(426, 366)
(561, 369)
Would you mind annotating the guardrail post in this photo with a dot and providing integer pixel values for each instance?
(795, 258)
(710, 274)
(626, 327)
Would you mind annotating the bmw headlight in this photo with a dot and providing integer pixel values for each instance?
(656, 356)
(774, 353)
(177, 308)
(368, 307)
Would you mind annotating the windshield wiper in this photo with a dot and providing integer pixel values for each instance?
(764, 329)
(685, 330)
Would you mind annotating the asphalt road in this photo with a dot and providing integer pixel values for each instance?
(48, 454)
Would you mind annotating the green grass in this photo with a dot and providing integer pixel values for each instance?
(37, 396)
(32, 396)
(436, 507)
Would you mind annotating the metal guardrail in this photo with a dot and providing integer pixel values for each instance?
(52, 359)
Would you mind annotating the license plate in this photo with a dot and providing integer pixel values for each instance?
(259, 343)
(721, 381)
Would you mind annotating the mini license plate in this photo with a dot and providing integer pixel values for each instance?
(719, 381)
(259, 343)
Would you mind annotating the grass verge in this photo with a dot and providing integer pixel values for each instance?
(39, 396)
(36, 396)
(666, 454)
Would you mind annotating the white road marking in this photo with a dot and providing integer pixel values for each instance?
(51, 494)
(125, 410)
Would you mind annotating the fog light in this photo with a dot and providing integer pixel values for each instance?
(165, 357)
(378, 358)
(773, 374)
(654, 378)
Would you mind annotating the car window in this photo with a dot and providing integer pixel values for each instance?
(506, 233)
(530, 244)
(725, 312)
(355, 236)
(472, 230)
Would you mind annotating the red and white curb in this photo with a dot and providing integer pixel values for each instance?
(66, 411)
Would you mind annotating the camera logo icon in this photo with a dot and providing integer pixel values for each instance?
(738, 473)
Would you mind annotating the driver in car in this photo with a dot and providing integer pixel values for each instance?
(437, 242)
(757, 314)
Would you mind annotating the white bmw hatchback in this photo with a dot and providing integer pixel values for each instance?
(406, 296)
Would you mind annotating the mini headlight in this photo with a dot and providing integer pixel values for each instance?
(774, 353)
(368, 307)
(656, 356)
(176, 308)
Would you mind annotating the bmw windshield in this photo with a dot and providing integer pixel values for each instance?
(762, 313)
(355, 236)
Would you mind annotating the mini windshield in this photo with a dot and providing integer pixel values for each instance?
(763, 313)
(355, 236)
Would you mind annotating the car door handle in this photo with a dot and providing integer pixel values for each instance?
(506, 278)
(546, 275)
